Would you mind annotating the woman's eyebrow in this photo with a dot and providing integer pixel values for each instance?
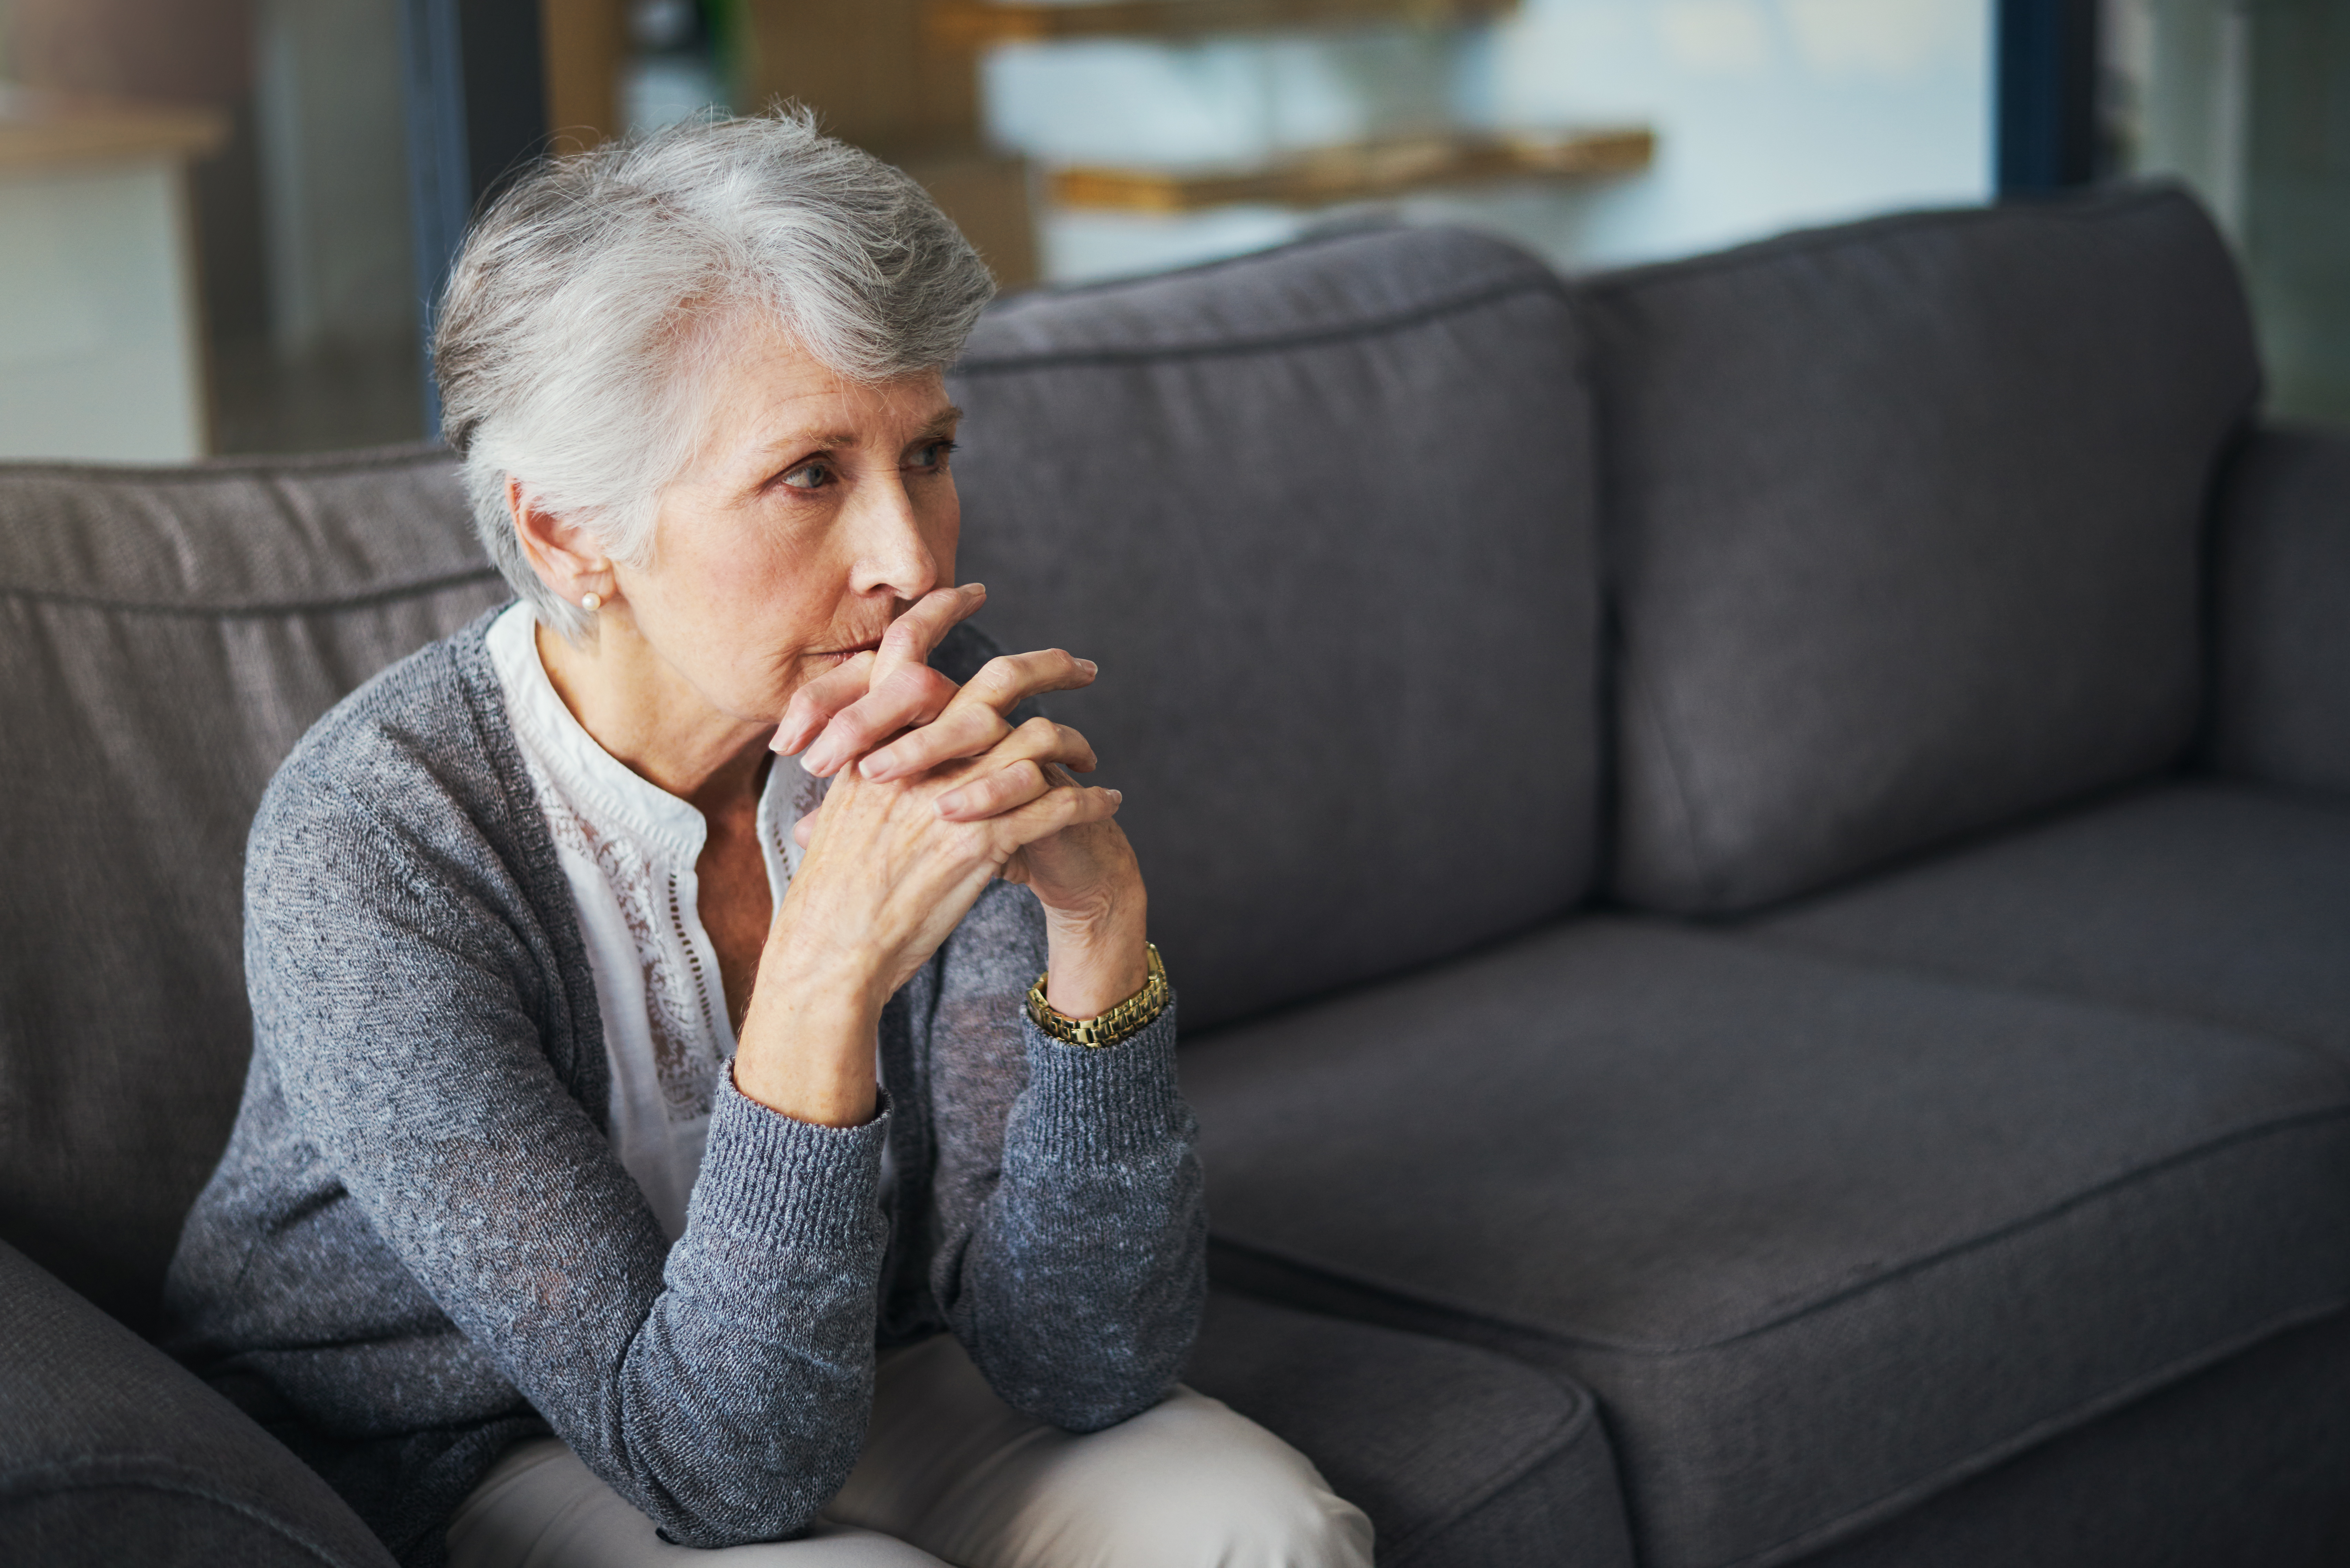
(796, 443)
(816, 439)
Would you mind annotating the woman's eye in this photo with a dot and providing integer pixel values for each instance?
(932, 455)
(809, 476)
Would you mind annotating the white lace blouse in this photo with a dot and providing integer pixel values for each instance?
(628, 849)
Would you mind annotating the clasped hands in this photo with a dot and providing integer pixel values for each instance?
(935, 793)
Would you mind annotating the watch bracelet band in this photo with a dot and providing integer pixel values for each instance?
(1123, 1022)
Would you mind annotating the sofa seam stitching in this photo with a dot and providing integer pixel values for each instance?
(86, 1473)
(1811, 241)
(1926, 968)
(1417, 316)
(1890, 1505)
(252, 609)
(2177, 1160)
(1415, 1301)
(221, 470)
(1559, 1439)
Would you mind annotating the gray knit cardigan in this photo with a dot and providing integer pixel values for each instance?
(420, 1249)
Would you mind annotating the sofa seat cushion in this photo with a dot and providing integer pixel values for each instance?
(1459, 1456)
(1823, 1238)
(111, 1453)
(2224, 902)
(2245, 1463)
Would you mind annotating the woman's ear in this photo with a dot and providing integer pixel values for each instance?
(565, 555)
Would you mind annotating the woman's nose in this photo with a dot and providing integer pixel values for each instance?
(891, 551)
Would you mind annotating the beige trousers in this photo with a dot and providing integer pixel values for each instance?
(952, 1474)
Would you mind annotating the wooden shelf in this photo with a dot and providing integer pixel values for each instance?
(971, 23)
(1366, 171)
(44, 130)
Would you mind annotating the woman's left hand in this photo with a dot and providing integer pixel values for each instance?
(1086, 876)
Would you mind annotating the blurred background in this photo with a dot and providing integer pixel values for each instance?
(222, 220)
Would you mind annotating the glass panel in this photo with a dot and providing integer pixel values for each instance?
(2249, 102)
(273, 278)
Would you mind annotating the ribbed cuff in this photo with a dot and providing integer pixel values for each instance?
(1106, 1101)
(770, 1181)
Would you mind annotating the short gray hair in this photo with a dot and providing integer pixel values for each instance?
(566, 342)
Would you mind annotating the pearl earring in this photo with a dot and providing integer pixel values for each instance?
(591, 601)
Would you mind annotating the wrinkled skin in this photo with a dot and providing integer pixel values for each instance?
(790, 599)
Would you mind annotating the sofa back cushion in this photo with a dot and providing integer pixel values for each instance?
(168, 636)
(1904, 520)
(1325, 518)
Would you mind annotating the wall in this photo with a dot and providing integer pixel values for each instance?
(98, 331)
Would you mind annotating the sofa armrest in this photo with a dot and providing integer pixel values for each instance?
(111, 1452)
(2282, 639)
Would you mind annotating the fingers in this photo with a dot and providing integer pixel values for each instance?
(1022, 767)
(912, 636)
(908, 643)
(964, 730)
(902, 697)
(996, 793)
(1049, 813)
(1009, 680)
(1016, 804)
(813, 704)
(976, 720)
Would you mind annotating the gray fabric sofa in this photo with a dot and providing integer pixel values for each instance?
(1822, 773)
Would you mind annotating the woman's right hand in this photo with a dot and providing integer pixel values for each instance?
(885, 879)
(887, 876)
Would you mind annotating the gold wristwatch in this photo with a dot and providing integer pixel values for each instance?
(1126, 1020)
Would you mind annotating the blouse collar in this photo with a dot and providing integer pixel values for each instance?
(606, 790)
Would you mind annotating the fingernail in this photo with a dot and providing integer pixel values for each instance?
(975, 587)
(1089, 666)
(874, 767)
(949, 805)
(1117, 797)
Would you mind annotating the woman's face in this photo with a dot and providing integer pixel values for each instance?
(814, 509)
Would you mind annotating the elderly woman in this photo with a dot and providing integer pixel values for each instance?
(795, 1141)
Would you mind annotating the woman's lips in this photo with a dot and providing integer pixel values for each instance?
(836, 656)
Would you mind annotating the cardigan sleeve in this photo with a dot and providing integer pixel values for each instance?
(1072, 1255)
(720, 1386)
